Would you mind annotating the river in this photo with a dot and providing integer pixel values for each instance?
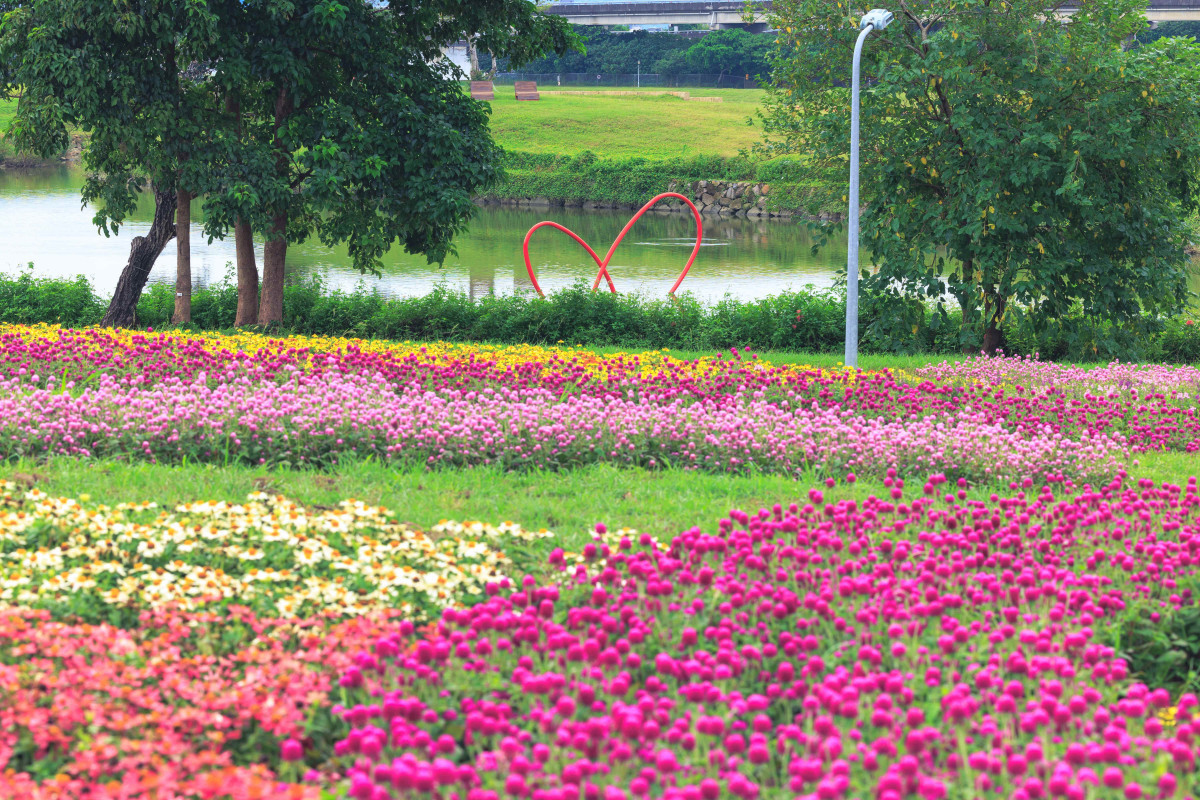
(42, 222)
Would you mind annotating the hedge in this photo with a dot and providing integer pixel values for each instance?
(632, 181)
(804, 321)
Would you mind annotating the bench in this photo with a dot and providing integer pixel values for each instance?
(526, 90)
(483, 90)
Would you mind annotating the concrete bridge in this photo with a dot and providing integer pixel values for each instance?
(720, 14)
(717, 14)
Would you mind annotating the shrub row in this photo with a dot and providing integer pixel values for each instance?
(805, 321)
(587, 177)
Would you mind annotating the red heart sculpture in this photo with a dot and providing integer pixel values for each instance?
(603, 263)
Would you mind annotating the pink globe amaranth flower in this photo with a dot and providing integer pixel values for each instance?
(666, 762)
(438, 392)
(291, 750)
(515, 785)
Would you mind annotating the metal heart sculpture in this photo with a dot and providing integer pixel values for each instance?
(602, 263)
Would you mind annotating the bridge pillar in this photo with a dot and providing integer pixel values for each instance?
(752, 27)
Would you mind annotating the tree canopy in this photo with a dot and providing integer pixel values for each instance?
(338, 119)
(112, 71)
(1170, 29)
(1014, 160)
(730, 52)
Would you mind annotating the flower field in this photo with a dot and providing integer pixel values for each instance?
(244, 399)
(268, 555)
(919, 646)
(976, 600)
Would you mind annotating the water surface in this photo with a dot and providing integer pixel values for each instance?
(42, 221)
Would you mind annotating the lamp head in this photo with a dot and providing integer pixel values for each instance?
(877, 18)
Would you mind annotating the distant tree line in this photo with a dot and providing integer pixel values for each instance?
(728, 52)
(1170, 29)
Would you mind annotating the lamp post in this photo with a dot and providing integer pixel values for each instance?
(639, 73)
(874, 20)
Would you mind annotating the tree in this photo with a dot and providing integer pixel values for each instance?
(1018, 160)
(113, 71)
(327, 118)
(352, 127)
(1172, 28)
(673, 64)
(730, 52)
(613, 52)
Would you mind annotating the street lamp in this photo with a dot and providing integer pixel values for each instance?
(874, 20)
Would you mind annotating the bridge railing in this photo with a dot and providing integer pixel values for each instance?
(568, 80)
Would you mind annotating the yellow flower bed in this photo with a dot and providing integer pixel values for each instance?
(268, 553)
(652, 362)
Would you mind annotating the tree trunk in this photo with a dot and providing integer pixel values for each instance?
(993, 336)
(275, 252)
(270, 309)
(993, 339)
(143, 252)
(473, 54)
(183, 258)
(247, 274)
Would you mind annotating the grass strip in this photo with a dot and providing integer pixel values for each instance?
(659, 502)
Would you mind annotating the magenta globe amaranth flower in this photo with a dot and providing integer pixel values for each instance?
(291, 750)
(961, 643)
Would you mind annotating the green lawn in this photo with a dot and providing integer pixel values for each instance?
(7, 109)
(626, 126)
(652, 127)
(570, 503)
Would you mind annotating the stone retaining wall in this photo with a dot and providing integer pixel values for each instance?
(729, 198)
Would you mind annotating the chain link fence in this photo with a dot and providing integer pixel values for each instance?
(576, 80)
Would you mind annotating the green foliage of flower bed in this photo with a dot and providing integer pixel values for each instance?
(807, 321)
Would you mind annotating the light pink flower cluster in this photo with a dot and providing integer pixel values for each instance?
(1113, 380)
(324, 418)
(166, 398)
(169, 398)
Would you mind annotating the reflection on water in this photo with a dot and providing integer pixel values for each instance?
(42, 221)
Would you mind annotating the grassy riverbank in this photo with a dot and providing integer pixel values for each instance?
(620, 149)
(589, 177)
(9, 157)
(624, 149)
(646, 126)
(8, 108)
(626, 126)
